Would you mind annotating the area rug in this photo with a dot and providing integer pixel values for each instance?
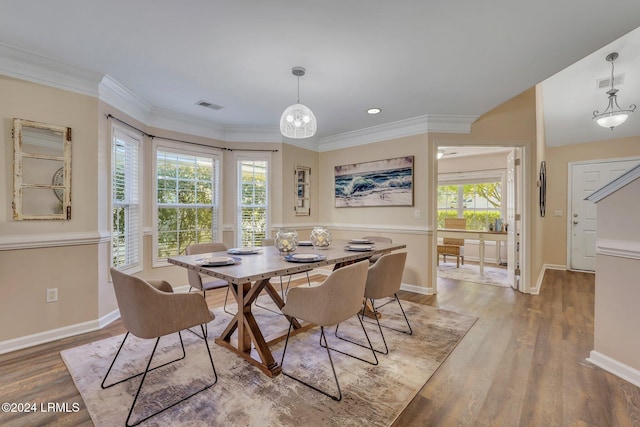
(244, 396)
(471, 273)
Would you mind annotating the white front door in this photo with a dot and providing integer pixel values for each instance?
(585, 179)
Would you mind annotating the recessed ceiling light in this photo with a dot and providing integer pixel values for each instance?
(374, 110)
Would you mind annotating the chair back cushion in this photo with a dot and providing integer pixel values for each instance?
(147, 312)
(385, 276)
(195, 280)
(338, 298)
(204, 248)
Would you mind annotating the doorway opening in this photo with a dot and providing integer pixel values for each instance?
(482, 187)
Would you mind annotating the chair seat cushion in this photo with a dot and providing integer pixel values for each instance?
(215, 284)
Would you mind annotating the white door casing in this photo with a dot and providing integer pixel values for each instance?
(512, 223)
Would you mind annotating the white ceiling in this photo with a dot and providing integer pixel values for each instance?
(571, 96)
(412, 58)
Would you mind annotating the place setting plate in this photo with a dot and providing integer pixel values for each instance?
(244, 251)
(304, 257)
(361, 241)
(305, 243)
(218, 261)
(359, 248)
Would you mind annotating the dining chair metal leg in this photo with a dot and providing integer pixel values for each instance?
(380, 325)
(147, 370)
(104, 380)
(370, 346)
(224, 307)
(333, 369)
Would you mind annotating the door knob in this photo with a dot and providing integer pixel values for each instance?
(575, 221)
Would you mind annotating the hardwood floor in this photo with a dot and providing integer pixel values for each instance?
(522, 364)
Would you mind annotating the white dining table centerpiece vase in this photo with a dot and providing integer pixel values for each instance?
(286, 241)
(320, 238)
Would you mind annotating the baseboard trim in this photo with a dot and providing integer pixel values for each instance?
(94, 325)
(417, 289)
(48, 336)
(615, 367)
(108, 318)
(536, 290)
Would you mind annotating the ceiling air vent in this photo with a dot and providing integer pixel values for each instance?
(209, 105)
(606, 83)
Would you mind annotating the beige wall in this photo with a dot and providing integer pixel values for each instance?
(293, 156)
(514, 123)
(617, 286)
(481, 162)
(399, 223)
(558, 159)
(39, 103)
(25, 274)
(80, 270)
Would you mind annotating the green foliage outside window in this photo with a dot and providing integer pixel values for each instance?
(187, 211)
(480, 204)
(253, 202)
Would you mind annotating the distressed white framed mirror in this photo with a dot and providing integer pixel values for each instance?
(302, 181)
(42, 171)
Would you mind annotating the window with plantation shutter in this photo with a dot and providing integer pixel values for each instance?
(187, 199)
(253, 201)
(126, 230)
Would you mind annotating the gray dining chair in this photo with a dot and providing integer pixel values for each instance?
(149, 312)
(338, 298)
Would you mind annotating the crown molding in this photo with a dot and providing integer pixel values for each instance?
(440, 123)
(236, 133)
(402, 128)
(113, 93)
(24, 65)
(178, 122)
(310, 144)
(35, 68)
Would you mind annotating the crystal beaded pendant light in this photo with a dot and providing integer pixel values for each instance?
(298, 120)
(614, 115)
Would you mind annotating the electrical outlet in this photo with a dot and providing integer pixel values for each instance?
(52, 295)
(416, 214)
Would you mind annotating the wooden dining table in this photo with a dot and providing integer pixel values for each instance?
(251, 275)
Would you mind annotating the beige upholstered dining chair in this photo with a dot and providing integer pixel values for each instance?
(338, 298)
(210, 283)
(152, 312)
(453, 247)
(383, 280)
(382, 239)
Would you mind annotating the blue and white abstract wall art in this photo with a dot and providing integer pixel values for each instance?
(386, 182)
